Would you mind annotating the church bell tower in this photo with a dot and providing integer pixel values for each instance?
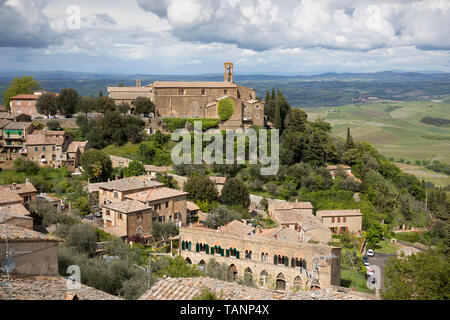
(228, 74)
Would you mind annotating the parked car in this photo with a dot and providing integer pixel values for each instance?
(366, 264)
(365, 258)
(370, 252)
(370, 272)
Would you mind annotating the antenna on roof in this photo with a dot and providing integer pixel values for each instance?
(8, 264)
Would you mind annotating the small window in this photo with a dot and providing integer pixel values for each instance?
(167, 204)
(338, 219)
(43, 148)
(107, 212)
(225, 91)
(116, 195)
(344, 219)
(182, 92)
(36, 148)
(257, 106)
(203, 92)
(120, 216)
(332, 219)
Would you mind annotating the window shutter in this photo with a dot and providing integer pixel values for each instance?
(197, 248)
(221, 252)
(292, 262)
(207, 249)
(286, 261)
(189, 246)
(182, 245)
(227, 253)
(237, 254)
(275, 259)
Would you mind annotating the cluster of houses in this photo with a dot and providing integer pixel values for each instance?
(20, 138)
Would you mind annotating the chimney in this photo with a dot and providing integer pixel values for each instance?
(109, 179)
(14, 186)
(27, 181)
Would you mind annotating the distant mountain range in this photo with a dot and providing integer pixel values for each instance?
(327, 89)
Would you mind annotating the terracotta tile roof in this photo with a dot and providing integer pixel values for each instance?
(156, 194)
(21, 188)
(218, 180)
(25, 97)
(152, 168)
(127, 206)
(331, 213)
(339, 166)
(188, 288)
(18, 125)
(49, 288)
(125, 89)
(16, 233)
(9, 115)
(115, 231)
(4, 122)
(280, 233)
(8, 215)
(236, 227)
(8, 196)
(192, 84)
(132, 183)
(284, 205)
(18, 208)
(191, 206)
(76, 145)
(41, 137)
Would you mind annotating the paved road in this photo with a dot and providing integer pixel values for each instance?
(380, 260)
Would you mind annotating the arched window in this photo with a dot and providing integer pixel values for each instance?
(263, 257)
(263, 278)
(202, 265)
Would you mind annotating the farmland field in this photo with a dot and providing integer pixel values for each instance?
(396, 131)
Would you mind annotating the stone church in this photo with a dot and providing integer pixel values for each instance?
(189, 99)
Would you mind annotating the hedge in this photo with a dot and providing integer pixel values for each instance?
(179, 123)
(225, 109)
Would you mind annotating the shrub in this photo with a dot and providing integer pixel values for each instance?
(179, 123)
(225, 109)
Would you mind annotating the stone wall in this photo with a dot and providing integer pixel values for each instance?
(42, 260)
(329, 268)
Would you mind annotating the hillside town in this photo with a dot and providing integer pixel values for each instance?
(90, 196)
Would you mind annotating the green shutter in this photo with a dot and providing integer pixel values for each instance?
(182, 245)
(275, 259)
(221, 252)
(237, 254)
(207, 249)
(292, 262)
(189, 246)
(197, 248)
(227, 253)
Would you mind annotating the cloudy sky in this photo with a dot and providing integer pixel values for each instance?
(197, 36)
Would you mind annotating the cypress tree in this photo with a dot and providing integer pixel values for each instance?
(100, 94)
(349, 144)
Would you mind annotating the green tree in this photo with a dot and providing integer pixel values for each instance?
(235, 193)
(104, 104)
(135, 168)
(86, 104)
(421, 276)
(83, 238)
(201, 188)
(225, 109)
(29, 167)
(47, 104)
(24, 85)
(67, 101)
(143, 105)
(374, 235)
(53, 125)
(124, 108)
(220, 216)
(349, 144)
(96, 165)
(164, 230)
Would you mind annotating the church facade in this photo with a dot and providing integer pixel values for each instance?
(190, 99)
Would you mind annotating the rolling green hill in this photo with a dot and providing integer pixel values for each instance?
(395, 129)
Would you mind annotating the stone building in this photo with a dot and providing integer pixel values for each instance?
(48, 147)
(22, 192)
(137, 212)
(117, 190)
(15, 135)
(119, 162)
(339, 221)
(189, 99)
(299, 216)
(267, 258)
(15, 117)
(26, 103)
(41, 251)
